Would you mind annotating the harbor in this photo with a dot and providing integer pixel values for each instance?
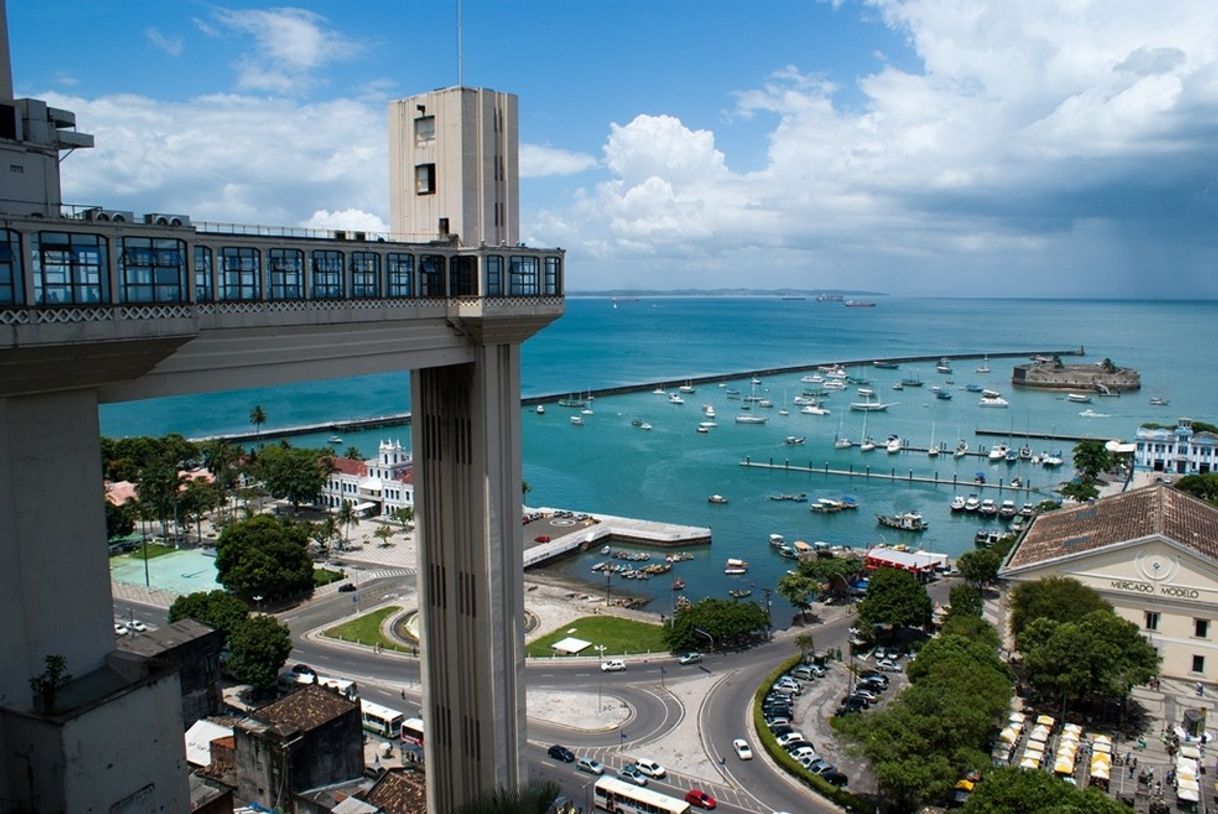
(891, 475)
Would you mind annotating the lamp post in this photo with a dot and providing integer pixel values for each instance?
(702, 632)
(608, 576)
(769, 622)
(600, 677)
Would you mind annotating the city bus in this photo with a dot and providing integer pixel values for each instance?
(619, 796)
(412, 731)
(347, 688)
(380, 719)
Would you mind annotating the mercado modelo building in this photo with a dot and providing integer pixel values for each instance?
(1152, 553)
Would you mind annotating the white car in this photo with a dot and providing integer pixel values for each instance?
(888, 666)
(613, 666)
(137, 626)
(120, 629)
(804, 752)
(650, 767)
(791, 737)
(742, 749)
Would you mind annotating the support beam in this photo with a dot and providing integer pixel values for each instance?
(466, 439)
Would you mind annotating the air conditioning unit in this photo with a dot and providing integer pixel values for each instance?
(109, 215)
(164, 219)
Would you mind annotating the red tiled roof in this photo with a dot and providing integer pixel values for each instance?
(399, 791)
(406, 477)
(306, 709)
(350, 466)
(1153, 510)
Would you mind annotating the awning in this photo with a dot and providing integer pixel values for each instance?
(1029, 763)
(365, 506)
(571, 645)
(1046, 720)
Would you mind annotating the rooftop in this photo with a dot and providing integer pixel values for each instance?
(399, 791)
(1153, 510)
(306, 709)
(163, 639)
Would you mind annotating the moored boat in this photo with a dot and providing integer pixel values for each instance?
(720, 499)
(1158, 401)
(577, 420)
(972, 504)
(750, 419)
(908, 521)
(795, 440)
(893, 444)
(993, 401)
(735, 566)
(1079, 398)
(813, 409)
(740, 593)
(541, 409)
(334, 439)
(957, 504)
(886, 365)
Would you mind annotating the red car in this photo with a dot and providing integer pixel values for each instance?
(542, 538)
(699, 798)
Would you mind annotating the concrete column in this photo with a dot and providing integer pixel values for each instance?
(55, 581)
(466, 438)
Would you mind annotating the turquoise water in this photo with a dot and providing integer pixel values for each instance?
(182, 571)
(666, 474)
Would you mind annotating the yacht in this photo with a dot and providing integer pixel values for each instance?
(795, 440)
(710, 411)
(893, 444)
(842, 443)
(735, 566)
(750, 419)
(988, 507)
(659, 391)
(869, 405)
(991, 394)
(675, 399)
(777, 541)
(1007, 509)
(541, 409)
(687, 388)
(813, 409)
(708, 424)
(765, 403)
(1079, 398)
(784, 411)
(971, 503)
(334, 439)
(1158, 401)
(961, 449)
(866, 392)
(720, 499)
(577, 420)
(993, 401)
(984, 367)
(957, 504)
(944, 366)
(909, 521)
(998, 452)
(867, 445)
(834, 384)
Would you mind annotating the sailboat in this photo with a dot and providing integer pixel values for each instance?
(984, 367)
(839, 440)
(933, 452)
(867, 444)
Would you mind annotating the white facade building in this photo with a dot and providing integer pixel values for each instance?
(376, 487)
(1180, 450)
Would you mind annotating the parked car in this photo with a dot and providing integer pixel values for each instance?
(650, 767)
(807, 672)
(741, 746)
(587, 764)
(136, 626)
(613, 666)
(874, 675)
(778, 721)
(835, 777)
(817, 765)
(631, 774)
(872, 686)
(790, 737)
(781, 729)
(803, 752)
(304, 670)
(120, 629)
(865, 694)
(856, 702)
(561, 753)
(690, 658)
(888, 665)
(346, 588)
(699, 798)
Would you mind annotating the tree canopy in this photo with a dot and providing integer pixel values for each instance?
(264, 556)
(895, 597)
(1091, 458)
(1204, 486)
(799, 590)
(980, 565)
(294, 474)
(965, 599)
(257, 650)
(218, 609)
(728, 622)
(1060, 599)
(1016, 791)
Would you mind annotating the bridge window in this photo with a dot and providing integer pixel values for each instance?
(365, 275)
(287, 274)
(240, 273)
(10, 268)
(494, 275)
(70, 268)
(152, 269)
(523, 276)
(553, 279)
(400, 268)
(463, 276)
(327, 275)
(431, 275)
(204, 288)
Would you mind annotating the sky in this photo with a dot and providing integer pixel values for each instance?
(912, 147)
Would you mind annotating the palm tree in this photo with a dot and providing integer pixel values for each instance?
(352, 453)
(347, 517)
(220, 458)
(806, 644)
(258, 418)
(535, 798)
(323, 532)
(383, 534)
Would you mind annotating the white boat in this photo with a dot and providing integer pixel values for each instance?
(812, 379)
(813, 409)
(784, 411)
(541, 409)
(870, 406)
(660, 391)
(586, 411)
(988, 506)
(998, 452)
(836, 372)
(795, 440)
(961, 449)
(1079, 398)
(957, 504)
(909, 521)
(644, 426)
(756, 380)
(893, 444)
(709, 410)
(1050, 460)
(577, 420)
(834, 384)
(944, 366)
(998, 401)
(765, 403)
(708, 424)
(984, 367)
(1158, 401)
(866, 392)
(1089, 413)
(867, 445)
(898, 386)
(991, 394)
(839, 440)
(972, 504)
(675, 399)
(735, 566)
(777, 540)
(1007, 509)
(720, 499)
(750, 419)
(687, 388)
(334, 439)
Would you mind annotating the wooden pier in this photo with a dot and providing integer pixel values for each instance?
(1045, 436)
(891, 475)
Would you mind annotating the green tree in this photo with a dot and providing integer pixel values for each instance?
(971, 627)
(46, 685)
(296, 475)
(1060, 599)
(264, 556)
(979, 566)
(536, 798)
(222, 460)
(966, 599)
(197, 499)
(806, 644)
(258, 418)
(347, 517)
(799, 590)
(895, 597)
(161, 485)
(1204, 486)
(383, 533)
(1016, 791)
(403, 514)
(323, 531)
(258, 648)
(1079, 490)
(120, 520)
(1090, 459)
(352, 453)
(218, 609)
(729, 623)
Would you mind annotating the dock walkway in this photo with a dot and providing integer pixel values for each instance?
(891, 475)
(584, 535)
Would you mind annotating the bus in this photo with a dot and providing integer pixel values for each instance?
(380, 719)
(412, 731)
(621, 797)
(289, 681)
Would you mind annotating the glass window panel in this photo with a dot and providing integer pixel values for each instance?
(494, 275)
(11, 272)
(286, 273)
(463, 273)
(365, 275)
(553, 276)
(523, 274)
(204, 291)
(151, 270)
(240, 273)
(70, 268)
(431, 275)
(400, 270)
(327, 281)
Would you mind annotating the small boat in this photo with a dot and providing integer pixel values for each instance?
(998, 452)
(944, 366)
(735, 566)
(1079, 398)
(719, 499)
(1027, 510)
(1007, 509)
(1158, 401)
(911, 381)
(605, 551)
(675, 399)
(687, 388)
(827, 505)
(1011, 455)
(1089, 413)
(795, 440)
(880, 363)
(859, 304)
(541, 409)
(678, 584)
(991, 394)
(577, 420)
(812, 378)
(842, 443)
(659, 391)
(802, 549)
(992, 401)
(866, 445)
(834, 384)
(740, 593)
(709, 410)
(784, 411)
(802, 497)
(334, 439)
(957, 504)
(764, 403)
(857, 380)
(777, 541)
(944, 395)
(756, 380)
(703, 430)
(1105, 392)
(898, 386)
(866, 392)
(1050, 460)
(893, 444)
(586, 411)
(909, 521)
(984, 538)
(973, 388)
(573, 401)
(644, 426)
(636, 422)
(961, 449)
(750, 419)
(984, 367)
(988, 507)
(813, 409)
(972, 504)
(710, 425)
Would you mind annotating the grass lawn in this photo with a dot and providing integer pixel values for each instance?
(366, 629)
(154, 550)
(324, 576)
(619, 636)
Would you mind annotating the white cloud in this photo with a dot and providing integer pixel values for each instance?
(539, 160)
(291, 44)
(1029, 129)
(170, 45)
(353, 219)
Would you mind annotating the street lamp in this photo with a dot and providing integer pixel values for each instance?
(707, 635)
(600, 677)
(608, 576)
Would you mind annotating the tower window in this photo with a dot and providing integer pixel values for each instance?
(425, 179)
(424, 129)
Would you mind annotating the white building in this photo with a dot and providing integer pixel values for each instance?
(376, 487)
(1179, 450)
(1152, 553)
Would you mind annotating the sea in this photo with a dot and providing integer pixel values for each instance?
(609, 466)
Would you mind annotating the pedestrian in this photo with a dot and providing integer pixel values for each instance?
(1200, 689)
(1131, 767)
(403, 693)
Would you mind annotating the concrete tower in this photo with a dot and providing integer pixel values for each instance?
(453, 171)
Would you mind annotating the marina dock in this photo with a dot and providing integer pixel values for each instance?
(583, 535)
(891, 475)
(1044, 436)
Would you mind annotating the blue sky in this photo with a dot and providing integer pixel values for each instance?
(968, 147)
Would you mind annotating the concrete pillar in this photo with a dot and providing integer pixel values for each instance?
(466, 438)
(55, 580)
